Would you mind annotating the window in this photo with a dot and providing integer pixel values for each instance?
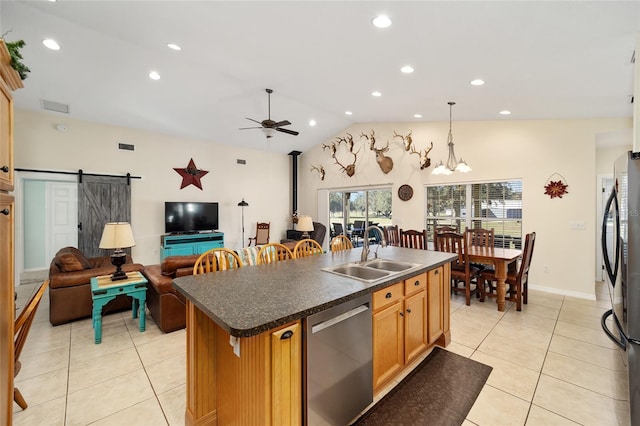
(490, 205)
(353, 210)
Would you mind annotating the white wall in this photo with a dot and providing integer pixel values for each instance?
(496, 150)
(92, 147)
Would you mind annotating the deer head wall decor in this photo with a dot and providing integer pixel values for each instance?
(406, 140)
(349, 169)
(319, 169)
(385, 163)
(425, 161)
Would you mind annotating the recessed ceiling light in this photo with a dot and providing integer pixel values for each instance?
(381, 21)
(505, 112)
(174, 46)
(407, 69)
(477, 82)
(376, 94)
(51, 44)
(348, 113)
(153, 75)
(312, 122)
(417, 115)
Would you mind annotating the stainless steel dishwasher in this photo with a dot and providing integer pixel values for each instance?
(339, 363)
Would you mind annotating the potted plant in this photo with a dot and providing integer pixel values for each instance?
(14, 50)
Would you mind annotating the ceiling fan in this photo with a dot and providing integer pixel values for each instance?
(268, 126)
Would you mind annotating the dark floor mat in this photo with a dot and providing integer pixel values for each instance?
(440, 391)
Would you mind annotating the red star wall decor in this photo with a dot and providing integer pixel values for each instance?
(191, 175)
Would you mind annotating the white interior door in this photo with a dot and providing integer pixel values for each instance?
(62, 223)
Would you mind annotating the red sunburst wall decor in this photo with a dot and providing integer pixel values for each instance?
(556, 188)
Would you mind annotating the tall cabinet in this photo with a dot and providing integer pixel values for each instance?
(9, 80)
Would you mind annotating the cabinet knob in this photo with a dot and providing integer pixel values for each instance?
(5, 211)
(388, 295)
(5, 169)
(436, 272)
(417, 283)
(409, 310)
(401, 314)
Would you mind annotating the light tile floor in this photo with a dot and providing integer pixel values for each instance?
(552, 365)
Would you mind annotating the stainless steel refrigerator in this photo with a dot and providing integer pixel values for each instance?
(621, 253)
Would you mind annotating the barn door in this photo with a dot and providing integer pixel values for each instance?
(101, 199)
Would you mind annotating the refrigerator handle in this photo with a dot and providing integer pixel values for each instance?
(613, 274)
(619, 342)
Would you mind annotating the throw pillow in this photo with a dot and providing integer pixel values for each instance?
(70, 263)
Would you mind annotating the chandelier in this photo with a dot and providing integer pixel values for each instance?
(452, 163)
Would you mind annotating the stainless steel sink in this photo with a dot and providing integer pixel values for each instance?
(371, 270)
(389, 265)
(360, 272)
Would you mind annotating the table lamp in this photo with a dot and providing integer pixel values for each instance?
(116, 236)
(305, 225)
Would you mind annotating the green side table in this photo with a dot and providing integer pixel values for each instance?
(103, 290)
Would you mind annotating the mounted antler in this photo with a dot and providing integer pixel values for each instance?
(371, 137)
(319, 169)
(406, 140)
(425, 161)
(350, 169)
(385, 163)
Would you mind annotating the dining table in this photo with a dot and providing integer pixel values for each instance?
(500, 258)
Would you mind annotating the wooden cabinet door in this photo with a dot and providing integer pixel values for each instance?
(415, 326)
(6, 138)
(388, 347)
(7, 308)
(286, 375)
(435, 296)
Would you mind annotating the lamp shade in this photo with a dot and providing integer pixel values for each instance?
(117, 235)
(243, 203)
(305, 224)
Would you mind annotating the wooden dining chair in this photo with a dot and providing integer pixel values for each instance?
(461, 269)
(414, 239)
(274, 252)
(262, 234)
(21, 328)
(517, 280)
(307, 247)
(217, 259)
(339, 243)
(392, 235)
(480, 237)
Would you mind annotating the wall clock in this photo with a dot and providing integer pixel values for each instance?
(405, 192)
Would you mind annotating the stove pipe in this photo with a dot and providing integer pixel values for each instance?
(294, 181)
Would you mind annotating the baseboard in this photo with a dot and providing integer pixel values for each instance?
(576, 294)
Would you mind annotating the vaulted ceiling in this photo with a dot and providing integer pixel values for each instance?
(540, 60)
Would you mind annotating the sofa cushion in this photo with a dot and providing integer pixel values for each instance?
(72, 260)
(171, 264)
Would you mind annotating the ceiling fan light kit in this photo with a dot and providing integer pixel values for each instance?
(268, 126)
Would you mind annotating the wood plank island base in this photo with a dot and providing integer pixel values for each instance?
(246, 358)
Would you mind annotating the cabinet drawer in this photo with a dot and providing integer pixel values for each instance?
(415, 284)
(387, 296)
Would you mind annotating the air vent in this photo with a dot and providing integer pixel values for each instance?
(126, 146)
(55, 106)
(239, 161)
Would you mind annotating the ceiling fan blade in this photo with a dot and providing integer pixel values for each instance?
(245, 128)
(255, 121)
(290, 132)
(282, 123)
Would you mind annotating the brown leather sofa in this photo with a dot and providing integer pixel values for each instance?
(70, 276)
(166, 305)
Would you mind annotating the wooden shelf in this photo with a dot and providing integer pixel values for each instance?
(9, 75)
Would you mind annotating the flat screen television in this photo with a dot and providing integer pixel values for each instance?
(190, 217)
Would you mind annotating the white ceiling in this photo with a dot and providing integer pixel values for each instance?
(541, 60)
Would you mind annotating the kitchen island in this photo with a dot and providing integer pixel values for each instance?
(244, 329)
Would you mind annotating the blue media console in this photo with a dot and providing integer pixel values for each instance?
(186, 244)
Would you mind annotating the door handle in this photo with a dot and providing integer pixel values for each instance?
(5, 211)
(5, 169)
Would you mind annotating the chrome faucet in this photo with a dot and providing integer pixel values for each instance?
(365, 243)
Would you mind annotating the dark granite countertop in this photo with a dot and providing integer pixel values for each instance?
(250, 300)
